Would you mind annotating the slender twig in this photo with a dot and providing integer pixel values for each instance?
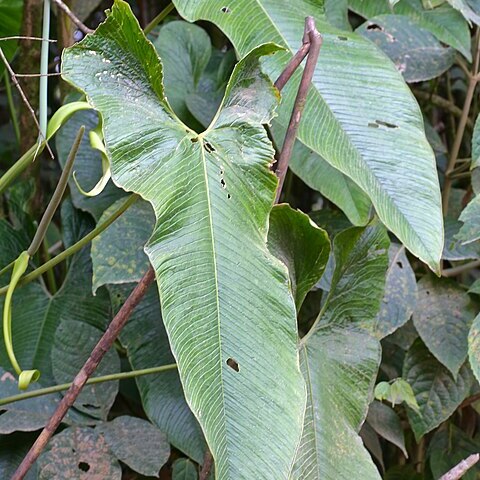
(459, 471)
(91, 381)
(43, 90)
(207, 466)
(73, 248)
(441, 102)
(163, 14)
(24, 37)
(56, 197)
(469, 400)
(30, 75)
(80, 25)
(25, 100)
(457, 143)
(454, 271)
(314, 39)
(102, 347)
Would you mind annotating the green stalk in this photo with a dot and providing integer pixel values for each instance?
(163, 14)
(11, 106)
(56, 197)
(20, 165)
(44, 71)
(75, 247)
(91, 381)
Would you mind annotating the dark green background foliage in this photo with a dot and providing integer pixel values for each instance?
(334, 336)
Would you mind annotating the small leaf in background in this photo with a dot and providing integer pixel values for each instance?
(470, 230)
(416, 53)
(145, 339)
(361, 260)
(184, 469)
(195, 73)
(88, 165)
(448, 447)
(386, 423)
(396, 392)
(454, 249)
(447, 24)
(336, 12)
(437, 393)
(301, 245)
(72, 345)
(474, 347)
(118, 253)
(13, 449)
(11, 12)
(137, 443)
(443, 317)
(465, 9)
(26, 415)
(400, 297)
(78, 453)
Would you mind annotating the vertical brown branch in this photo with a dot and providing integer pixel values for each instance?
(313, 52)
(102, 347)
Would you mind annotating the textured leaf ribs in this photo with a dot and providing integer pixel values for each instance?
(225, 299)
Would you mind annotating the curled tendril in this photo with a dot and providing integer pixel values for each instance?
(96, 141)
(26, 377)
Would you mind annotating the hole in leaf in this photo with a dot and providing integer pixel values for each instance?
(399, 264)
(428, 293)
(233, 364)
(222, 181)
(386, 124)
(381, 123)
(342, 38)
(229, 196)
(225, 10)
(2, 412)
(84, 467)
(208, 147)
(375, 27)
(194, 139)
(90, 406)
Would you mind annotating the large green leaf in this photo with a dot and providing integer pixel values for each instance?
(443, 317)
(330, 182)
(361, 117)
(302, 246)
(444, 22)
(340, 358)
(338, 363)
(145, 339)
(225, 300)
(400, 295)
(437, 393)
(417, 54)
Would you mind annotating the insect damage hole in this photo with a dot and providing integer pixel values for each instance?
(222, 182)
(208, 147)
(225, 10)
(84, 466)
(381, 123)
(233, 364)
(374, 26)
(399, 264)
